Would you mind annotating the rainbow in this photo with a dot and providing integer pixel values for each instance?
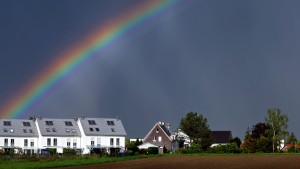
(111, 31)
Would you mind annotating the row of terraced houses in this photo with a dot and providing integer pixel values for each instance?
(86, 135)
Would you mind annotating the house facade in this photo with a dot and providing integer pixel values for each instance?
(20, 135)
(161, 136)
(86, 135)
(102, 135)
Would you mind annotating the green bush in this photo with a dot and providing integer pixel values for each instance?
(129, 153)
(293, 150)
(152, 150)
(195, 148)
(69, 151)
(52, 151)
(227, 148)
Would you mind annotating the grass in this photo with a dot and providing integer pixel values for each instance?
(35, 163)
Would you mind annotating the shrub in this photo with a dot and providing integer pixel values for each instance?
(227, 148)
(152, 150)
(195, 148)
(293, 150)
(69, 151)
(129, 153)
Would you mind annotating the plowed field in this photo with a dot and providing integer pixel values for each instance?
(205, 162)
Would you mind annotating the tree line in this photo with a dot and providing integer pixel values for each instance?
(264, 136)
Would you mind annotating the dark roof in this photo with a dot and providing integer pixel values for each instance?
(166, 130)
(221, 136)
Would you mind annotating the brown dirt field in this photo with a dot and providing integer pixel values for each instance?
(205, 162)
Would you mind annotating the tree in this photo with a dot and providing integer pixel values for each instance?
(278, 123)
(196, 127)
(236, 140)
(291, 139)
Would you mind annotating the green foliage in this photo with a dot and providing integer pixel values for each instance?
(236, 140)
(227, 148)
(133, 146)
(195, 148)
(293, 149)
(196, 127)
(152, 150)
(69, 151)
(278, 123)
(52, 151)
(291, 139)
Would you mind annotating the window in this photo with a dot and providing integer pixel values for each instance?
(31, 143)
(68, 143)
(110, 123)
(111, 141)
(113, 130)
(91, 129)
(6, 123)
(11, 130)
(49, 123)
(30, 131)
(6, 142)
(25, 130)
(54, 129)
(48, 141)
(73, 130)
(5, 130)
(92, 143)
(92, 122)
(118, 141)
(68, 130)
(98, 142)
(25, 142)
(97, 129)
(154, 139)
(55, 142)
(159, 138)
(68, 123)
(48, 130)
(26, 124)
(12, 142)
(156, 130)
(74, 143)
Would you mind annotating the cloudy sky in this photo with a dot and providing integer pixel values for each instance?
(228, 60)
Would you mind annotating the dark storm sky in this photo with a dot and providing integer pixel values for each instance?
(229, 60)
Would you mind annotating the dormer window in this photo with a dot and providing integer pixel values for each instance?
(48, 130)
(113, 130)
(97, 129)
(25, 130)
(5, 130)
(30, 131)
(73, 130)
(26, 124)
(54, 129)
(68, 130)
(11, 130)
(49, 123)
(68, 123)
(92, 122)
(6, 123)
(111, 123)
(91, 129)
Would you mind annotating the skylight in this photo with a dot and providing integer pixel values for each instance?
(26, 123)
(68, 123)
(110, 123)
(49, 123)
(92, 122)
(6, 123)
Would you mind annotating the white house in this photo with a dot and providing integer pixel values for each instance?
(20, 135)
(86, 135)
(102, 135)
(58, 134)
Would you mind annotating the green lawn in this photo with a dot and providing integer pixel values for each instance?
(34, 163)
